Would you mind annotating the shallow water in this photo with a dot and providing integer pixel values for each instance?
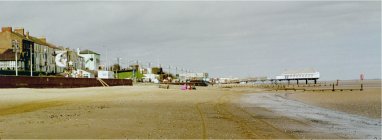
(321, 120)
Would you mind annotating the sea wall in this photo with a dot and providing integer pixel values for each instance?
(57, 82)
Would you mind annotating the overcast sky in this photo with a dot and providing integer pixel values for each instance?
(238, 39)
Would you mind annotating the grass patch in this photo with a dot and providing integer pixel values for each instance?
(124, 75)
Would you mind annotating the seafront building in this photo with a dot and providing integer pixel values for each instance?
(299, 74)
(33, 53)
(36, 54)
(183, 77)
(91, 59)
(74, 61)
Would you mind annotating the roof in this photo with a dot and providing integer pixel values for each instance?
(88, 52)
(304, 70)
(8, 55)
(38, 41)
(21, 36)
(35, 40)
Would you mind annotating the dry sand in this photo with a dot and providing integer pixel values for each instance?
(125, 112)
(145, 112)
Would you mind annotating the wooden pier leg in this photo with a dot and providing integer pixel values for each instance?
(297, 82)
(315, 81)
(333, 87)
(306, 81)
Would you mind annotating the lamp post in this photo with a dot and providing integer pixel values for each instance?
(31, 59)
(168, 75)
(15, 46)
(46, 61)
(116, 70)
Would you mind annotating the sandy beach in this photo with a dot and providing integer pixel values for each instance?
(146, 111)
(364, 103)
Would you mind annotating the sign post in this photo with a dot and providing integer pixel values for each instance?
(361, 77)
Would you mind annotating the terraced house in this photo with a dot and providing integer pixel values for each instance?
(34, 53)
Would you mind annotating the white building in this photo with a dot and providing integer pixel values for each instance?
(151, 78)
(307, 73)
(227, 80)
(91, 58)
(193, 76)
(85, 74)
(106, 74)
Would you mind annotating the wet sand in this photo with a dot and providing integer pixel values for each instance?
(145, 112)
(309, 121)
(364, 103)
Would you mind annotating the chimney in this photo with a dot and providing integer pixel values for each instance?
(20, 31)
(6, 29)
(43, 39)
(27, 34)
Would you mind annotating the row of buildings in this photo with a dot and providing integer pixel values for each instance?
(36, 54)
(304, 74)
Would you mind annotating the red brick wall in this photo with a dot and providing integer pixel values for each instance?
(57, 82)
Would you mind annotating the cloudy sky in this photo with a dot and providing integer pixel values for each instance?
(238, 39)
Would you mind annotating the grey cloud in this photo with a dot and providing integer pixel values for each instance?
(223, 38)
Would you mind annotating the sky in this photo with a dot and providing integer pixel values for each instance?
(340, 39)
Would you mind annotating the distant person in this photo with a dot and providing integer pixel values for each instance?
(193, 87)
(183, 87)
